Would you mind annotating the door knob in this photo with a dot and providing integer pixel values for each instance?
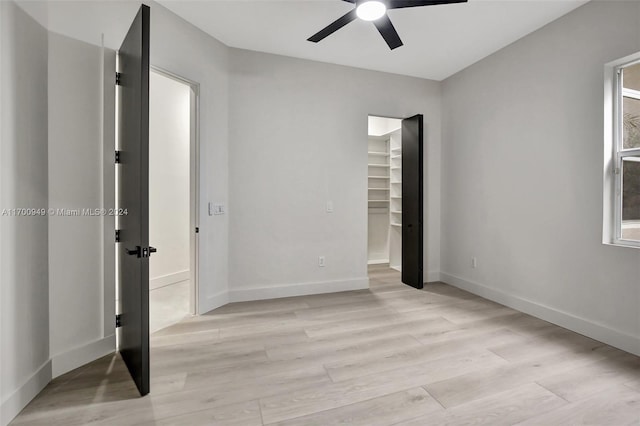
(141, 251)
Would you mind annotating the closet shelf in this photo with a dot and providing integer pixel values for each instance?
(396, 224)
(396, 156)
(379, 165)
(397, 182)
(397, 198)
(378, 201)
(396, 168)
(379, 154)
(396, 149)
(379, 177)
(397, 211)
(379, 189)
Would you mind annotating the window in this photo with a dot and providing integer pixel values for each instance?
(624, 154)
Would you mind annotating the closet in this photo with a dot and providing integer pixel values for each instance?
(385, 192)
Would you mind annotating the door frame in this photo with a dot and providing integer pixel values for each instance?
(194, 185)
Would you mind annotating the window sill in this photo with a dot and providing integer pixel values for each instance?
(624, 244)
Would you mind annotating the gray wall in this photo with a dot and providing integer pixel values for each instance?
(77, 282)
(182, 49)
(299, 139)
(24, 288)
(522, 177)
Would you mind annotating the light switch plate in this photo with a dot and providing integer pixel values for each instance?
(216, 209)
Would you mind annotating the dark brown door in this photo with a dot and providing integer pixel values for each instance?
(133, 190)
(412, 201)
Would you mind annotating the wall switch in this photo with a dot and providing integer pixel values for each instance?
(329, 206)
(474, 262)
(321, 261)
(216, 209)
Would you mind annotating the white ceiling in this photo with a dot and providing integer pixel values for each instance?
(438, 40)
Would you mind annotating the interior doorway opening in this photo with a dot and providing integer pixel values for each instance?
(173, 201)
(384, 234)
(170, 279)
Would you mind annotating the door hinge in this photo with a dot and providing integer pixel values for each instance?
(118, 320)
(616, 171)
(117, 157)
(118, 79)
(117, 235)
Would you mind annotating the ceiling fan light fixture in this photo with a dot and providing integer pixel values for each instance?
(371, 10)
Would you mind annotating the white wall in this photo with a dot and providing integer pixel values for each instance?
(522, 177)
(182, 49)
(169, 149)
(76, 285)
(24, 288)
(379, 126)
(298, 132)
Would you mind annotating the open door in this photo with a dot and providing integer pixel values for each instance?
(133, 195)
(412, 204)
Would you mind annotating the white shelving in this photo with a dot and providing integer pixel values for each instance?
(379, 190)
(395, 202)
(385, 198)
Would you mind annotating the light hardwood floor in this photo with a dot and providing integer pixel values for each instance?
(391, 355)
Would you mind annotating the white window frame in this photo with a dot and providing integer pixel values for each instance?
(614, 152)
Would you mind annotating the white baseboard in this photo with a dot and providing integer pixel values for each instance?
(302, 289)
(597, 331)
(377, 261)
(433, 277)
(15, 402)
(213, 302)
(169, 279)
(77, 357)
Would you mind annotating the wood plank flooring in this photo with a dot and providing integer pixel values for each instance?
(391, 355)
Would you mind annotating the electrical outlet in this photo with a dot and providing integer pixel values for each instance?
(474, 262)
(321, 261)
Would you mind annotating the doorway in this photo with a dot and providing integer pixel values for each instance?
(384, 245)
(172, 199)
(395, 198)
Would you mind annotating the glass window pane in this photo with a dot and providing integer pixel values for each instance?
(631, 77)
(631, 198)
(631, 123)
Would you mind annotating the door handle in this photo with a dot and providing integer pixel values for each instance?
(135, 252)
(141, 251)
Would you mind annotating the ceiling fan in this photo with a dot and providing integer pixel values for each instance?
(376, 11)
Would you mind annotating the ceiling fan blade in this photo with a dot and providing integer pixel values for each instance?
(400, 4)
(388, 32)
(334, 26)
(350, 1)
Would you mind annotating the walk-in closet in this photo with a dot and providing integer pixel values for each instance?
(385, 192)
